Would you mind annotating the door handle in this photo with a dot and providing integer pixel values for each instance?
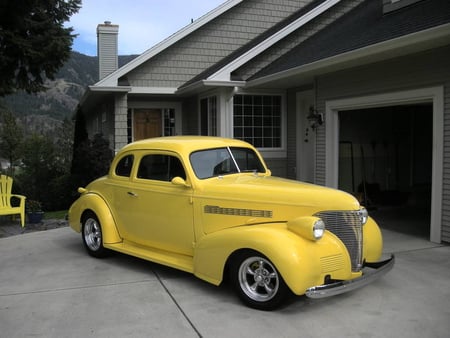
(132, 194)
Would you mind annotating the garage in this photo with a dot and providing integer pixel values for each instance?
(385, 160)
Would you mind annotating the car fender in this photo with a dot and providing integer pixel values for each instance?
(372, 241)
(96, 204)
(297, 259)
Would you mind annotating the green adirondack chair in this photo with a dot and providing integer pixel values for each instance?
(6, 183)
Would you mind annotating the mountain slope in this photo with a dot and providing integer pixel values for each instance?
(63, 94)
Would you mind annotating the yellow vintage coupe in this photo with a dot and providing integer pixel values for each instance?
(209, 206)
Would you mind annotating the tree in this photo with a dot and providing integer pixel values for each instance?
(10, 138)
(91, 158)
(38, 166)
(34, 44)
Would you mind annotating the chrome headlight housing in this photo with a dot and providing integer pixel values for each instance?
(363, 215)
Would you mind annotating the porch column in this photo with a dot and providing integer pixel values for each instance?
(120, 121)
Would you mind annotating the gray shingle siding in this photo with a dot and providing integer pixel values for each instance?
(212, 42)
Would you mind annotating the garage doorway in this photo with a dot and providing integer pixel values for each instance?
(433, 96)
(385, 159)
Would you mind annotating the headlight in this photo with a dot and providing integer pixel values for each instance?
(318, 229)
(309, 227)
(363, 215)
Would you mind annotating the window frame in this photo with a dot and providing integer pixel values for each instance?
(269, 152)
(170, 158)
(212, 122)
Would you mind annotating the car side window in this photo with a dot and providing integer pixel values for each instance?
(160, 168)
(124, 166)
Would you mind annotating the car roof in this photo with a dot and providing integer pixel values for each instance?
(184, 144)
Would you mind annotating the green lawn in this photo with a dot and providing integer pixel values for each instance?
(55, 214)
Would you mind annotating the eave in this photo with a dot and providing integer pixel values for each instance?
(427, 39)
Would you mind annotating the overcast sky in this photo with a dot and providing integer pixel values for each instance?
(142, 23)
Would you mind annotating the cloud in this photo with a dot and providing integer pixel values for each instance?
(142, 23)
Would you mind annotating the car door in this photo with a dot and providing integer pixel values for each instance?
(154, 212)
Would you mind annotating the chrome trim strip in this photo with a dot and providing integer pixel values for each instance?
(328, 290)
(214, 209)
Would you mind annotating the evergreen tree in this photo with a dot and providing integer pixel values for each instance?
(10, 139)
(34, 43)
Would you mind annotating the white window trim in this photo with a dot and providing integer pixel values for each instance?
(435, 95)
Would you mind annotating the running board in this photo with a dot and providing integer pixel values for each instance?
(174, 260)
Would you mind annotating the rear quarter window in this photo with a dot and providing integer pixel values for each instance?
(124, 166)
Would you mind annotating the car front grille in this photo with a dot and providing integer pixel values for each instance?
(346, 225)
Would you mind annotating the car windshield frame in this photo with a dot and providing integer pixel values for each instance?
(217, 162)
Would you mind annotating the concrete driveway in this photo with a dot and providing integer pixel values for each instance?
(49, 287)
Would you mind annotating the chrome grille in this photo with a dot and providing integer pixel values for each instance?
(346, 225)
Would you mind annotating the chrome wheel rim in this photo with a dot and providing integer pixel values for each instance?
(92, 234)
(258, 279)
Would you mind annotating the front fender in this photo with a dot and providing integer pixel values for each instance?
(96, 204)
(372, 241)
(297, 259)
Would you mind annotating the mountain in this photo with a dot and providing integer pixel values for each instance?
(61, 98)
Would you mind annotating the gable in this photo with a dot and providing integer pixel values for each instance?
(205, 46)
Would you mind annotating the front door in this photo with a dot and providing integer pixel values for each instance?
(147, 123)
(154, 212)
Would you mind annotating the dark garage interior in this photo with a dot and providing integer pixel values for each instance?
(385, 160)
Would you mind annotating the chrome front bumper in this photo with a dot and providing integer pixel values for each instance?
(336, 288)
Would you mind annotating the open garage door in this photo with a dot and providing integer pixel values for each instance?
(385, 159)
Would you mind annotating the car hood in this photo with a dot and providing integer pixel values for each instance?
(269, 190)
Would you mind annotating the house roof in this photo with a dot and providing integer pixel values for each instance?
(363, 26)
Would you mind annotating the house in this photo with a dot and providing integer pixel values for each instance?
(352, 94)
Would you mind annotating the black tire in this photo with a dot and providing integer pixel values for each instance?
(91, 232)
(257, 281)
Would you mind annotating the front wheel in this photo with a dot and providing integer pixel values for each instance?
(257, 281)
(92, 236)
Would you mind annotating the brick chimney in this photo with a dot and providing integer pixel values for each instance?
(107, 49)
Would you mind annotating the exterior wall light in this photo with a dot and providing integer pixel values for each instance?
(315, 118)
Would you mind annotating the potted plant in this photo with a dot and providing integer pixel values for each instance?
(34, 211)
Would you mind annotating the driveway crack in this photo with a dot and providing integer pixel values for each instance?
(177, 305)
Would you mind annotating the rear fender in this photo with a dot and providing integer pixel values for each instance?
(94, 203)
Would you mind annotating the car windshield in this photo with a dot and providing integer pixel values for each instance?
(223, 161)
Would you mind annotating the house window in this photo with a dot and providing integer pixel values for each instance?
(169, 121)
(257, 120)
(208, 116)
(129, 126)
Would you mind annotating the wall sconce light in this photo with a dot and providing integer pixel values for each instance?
(315, 118)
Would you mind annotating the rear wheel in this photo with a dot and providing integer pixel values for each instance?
(257, 281)
(91, 233)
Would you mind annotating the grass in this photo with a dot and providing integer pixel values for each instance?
(55, 214)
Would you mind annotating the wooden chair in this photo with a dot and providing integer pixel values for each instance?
(6, 183)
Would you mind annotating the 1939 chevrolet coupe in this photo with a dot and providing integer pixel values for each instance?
(209, 206)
